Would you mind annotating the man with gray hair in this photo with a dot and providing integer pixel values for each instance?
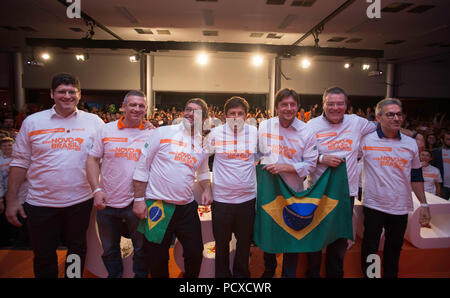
(392, 169)
(119, 145)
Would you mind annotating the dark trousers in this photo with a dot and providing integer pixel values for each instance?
(45, 226)
(185, 225)
(334, 262)
(394, 231)
(110, 221)
(226, 220)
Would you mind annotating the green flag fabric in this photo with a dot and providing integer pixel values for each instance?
(288, 221)
(159, 214)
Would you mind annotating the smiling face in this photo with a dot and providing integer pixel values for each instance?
(66, 99)
(391, 118)
(334, 107)
(134, 109)
(7, 148)
(287, 110)
(236, 117)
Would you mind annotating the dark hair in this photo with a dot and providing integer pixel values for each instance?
(235, 102)
(201, 103)
(65, 79)
(284, 93)
(333, 90)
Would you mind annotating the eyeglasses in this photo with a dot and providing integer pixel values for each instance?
(64, 92)
(335, 104)
(392, 115)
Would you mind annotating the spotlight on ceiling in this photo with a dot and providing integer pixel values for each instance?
(45, 56)
(33, 62)
(257, 60)
(365, 66)
(348, 65)
(306, 63)
(134, 58)
(202, 58)
(82, 57)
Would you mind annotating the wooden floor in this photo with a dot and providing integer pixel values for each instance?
(414, 262)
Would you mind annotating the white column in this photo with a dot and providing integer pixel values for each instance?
(147, 80)
(19, 92)
(272, 85)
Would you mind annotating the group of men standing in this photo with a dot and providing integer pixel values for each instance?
(73, 161)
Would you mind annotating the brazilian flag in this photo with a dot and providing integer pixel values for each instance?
(155, 225)
(307, 221)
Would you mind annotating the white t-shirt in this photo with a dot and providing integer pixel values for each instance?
(431, 175)
(4, 172)
(170, 162)
(234, 175)
(54, 150)
(120, 148)
(341, 139)
(294, 145)
(446, 165)
(387, 172)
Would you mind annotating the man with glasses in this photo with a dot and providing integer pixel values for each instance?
(166, 171)
(392, 169)
(51, 150)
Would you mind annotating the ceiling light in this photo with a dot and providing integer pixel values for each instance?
(202, 58)
(45, 56)
(134, 58)
(348, 65)
(306, 63)
(365, 66)
(257, 60)
(82, 57)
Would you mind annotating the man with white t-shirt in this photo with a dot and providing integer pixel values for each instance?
(166, 171)
(338, 136)
(392, 169)
(431, 175)
(441, 160)
(51, 150)
(234, 146)
(288, 148)
(118, 146)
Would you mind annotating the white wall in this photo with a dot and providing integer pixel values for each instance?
(221, 74)
(100, 72)
(423, 80)
(323, 74)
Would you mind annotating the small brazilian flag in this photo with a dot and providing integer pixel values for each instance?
(307, 221)
(155, 225)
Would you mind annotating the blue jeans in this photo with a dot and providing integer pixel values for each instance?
(109, 222)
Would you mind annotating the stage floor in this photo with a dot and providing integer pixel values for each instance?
(414, 262)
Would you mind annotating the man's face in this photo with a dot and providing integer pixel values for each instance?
(335, 107)
(66, 98)
(447, 140)
(391, 117)
(425, 156)
(135, 108)
(7, 148)
(192, 111)
(237, 116)
(287, 109)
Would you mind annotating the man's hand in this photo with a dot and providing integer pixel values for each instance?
(332, 160)
(12, 209)
(207, 197)
(140, 209)
(277, 168)
(100, 200)
(148, 125)
(424, 216)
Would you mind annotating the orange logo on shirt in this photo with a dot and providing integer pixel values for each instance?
(395, 162)
(238, 155)
(128, 153)
(341, 145)
(327, 134)
(66, 143)
(272, 136)
(430, 175)
(185, 158)
(283, 151)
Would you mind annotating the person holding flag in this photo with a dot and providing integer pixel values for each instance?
(163, 189)
(118, 146)
(288, 148)
(338, 136)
